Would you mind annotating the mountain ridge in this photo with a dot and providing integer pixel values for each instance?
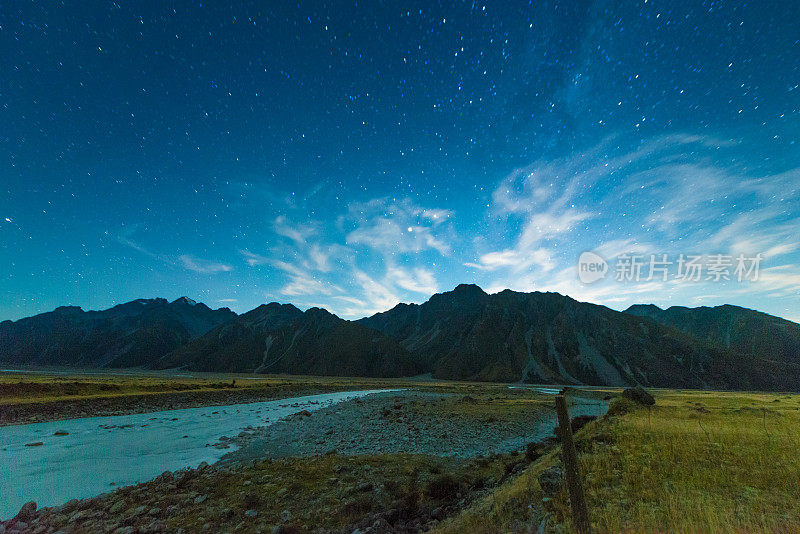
(464, 333)
(125, 335)
(744, 330)
(280, 338)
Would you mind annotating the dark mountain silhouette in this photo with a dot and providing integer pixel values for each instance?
(547, 337)
(279, 338)
(461, 334)
(127, 335)
(768, 341)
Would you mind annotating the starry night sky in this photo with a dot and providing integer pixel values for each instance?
(354, 155)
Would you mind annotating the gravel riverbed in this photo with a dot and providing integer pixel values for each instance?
(406, 421)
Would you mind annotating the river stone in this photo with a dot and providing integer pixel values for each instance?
(78, 515)
(117, 507)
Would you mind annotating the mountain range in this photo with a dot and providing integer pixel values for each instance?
(463, 334)
(128, 335)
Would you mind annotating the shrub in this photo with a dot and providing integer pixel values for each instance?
(639, 395)
(621, 406)
(443, 487)
(532, 451)
(360, 505)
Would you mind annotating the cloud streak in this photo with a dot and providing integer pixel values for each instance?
(202, 266)
(398, 227)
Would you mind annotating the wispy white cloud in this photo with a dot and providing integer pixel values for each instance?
(375, 296)
(202, 266)
(398, 227)
(304, 261)
(515, 259)
(253, 259)
(672, 194)
(299, 233)
(186, 261)
(418, 280)
(781, 280)
(302, 281)
(319, 258)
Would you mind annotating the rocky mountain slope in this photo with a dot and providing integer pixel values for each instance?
(771, 341)
(547, 337)
(131, 334)
(279, 338)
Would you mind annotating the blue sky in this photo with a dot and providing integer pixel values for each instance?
(356, 156)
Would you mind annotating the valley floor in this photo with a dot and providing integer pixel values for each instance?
(31, 396)
(452, 457)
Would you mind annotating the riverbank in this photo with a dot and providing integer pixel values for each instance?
(34, 396)
(53, 462)
(396, 461)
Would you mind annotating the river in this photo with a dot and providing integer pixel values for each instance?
(99, 454)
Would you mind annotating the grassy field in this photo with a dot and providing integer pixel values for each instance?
(695, 462)
(57, 385)
(50, 394)
(20, 388)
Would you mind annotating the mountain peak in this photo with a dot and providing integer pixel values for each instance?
(272, 313)
(68, 309)
(319, 314)
(639, 308)
(184, 300)
(472, 289)
(464, 296)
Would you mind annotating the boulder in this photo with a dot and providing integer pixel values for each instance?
(639, 395)
(550, 480)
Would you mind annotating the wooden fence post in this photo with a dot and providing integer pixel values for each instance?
(580, 514)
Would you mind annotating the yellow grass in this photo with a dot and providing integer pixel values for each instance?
(696, 462)
(50, 385)
(36, 388)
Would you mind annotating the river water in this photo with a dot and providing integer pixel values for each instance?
(99, 454)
